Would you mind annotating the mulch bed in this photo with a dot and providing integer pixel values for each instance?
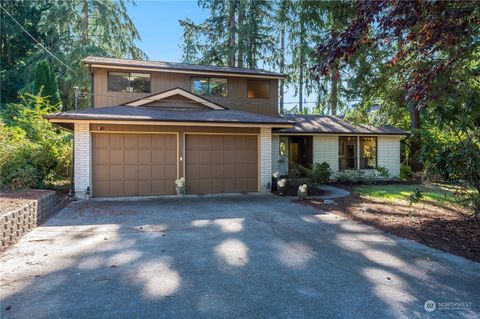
(292, 188)
(13, 200)
(430, 223)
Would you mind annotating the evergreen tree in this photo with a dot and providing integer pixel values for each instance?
(45, 83)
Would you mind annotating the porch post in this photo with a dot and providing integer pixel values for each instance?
(83, 159)
(265, 159)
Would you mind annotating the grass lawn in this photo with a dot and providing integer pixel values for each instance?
(431, 193)
(435, 220)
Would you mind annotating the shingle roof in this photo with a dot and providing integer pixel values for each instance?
(327, 124)
(151, 113)
(162, 65)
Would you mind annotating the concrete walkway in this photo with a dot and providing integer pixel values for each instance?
(246, 256)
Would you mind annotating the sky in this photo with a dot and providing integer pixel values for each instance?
(157, 23)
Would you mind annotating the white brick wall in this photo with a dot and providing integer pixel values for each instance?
(83, 159)
(275, 152)
(265, 158)
(388, 154)
(325, 149)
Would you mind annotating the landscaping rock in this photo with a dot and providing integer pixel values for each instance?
(367, 210)
(329, 202)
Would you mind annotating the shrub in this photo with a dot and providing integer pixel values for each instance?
(383, 172)
(405, 172)
(32, 151)
(321, 173)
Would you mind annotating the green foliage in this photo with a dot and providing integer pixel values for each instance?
(383, 171)
(32, 151)
(321, 173)
(405, 172)
(436, 193)
(45, 83)
(415, 197)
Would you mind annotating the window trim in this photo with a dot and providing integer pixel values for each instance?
(209, 79)
(129, 81)
(260, 80)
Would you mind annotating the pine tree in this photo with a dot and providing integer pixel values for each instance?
(45, 82)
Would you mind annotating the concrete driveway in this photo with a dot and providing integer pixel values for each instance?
(248, 256)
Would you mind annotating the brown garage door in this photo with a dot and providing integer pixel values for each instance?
(221, 163)
(134, 164)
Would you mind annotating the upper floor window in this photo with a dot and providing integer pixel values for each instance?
(209, 86)
(258, 89)
(128, 82)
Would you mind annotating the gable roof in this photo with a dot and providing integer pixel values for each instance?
(172, 92)
(152, 113)
(327, 124)
(176, 67)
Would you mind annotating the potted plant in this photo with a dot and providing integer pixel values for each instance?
(275, 177)
(281, 185)
(180, 186)
(302, 191)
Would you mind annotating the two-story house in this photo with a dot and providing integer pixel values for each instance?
(152, 122)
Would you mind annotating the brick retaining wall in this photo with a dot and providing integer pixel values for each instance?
(16, 223)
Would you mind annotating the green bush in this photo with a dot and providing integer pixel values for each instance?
(383, 172)
(32, 151)
(321, 173)
(405, 172)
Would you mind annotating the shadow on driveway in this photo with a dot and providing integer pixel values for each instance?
(243, 256)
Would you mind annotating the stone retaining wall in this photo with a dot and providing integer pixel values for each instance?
(16, 223)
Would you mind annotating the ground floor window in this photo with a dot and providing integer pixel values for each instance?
(351, 147)
(368, 152)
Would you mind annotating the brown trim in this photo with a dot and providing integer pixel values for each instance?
(177, 70)
(205, 101)
(191, 123)
(340, 134)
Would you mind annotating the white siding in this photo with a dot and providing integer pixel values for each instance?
(83, 159)
(325, 149)
(388, 154)
(265, 150)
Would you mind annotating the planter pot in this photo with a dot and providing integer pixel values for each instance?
(302, 195)
(281, 190)
(180, 190)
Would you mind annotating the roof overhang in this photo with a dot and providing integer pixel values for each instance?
(63, 122)
(173, 70)
(173, 92)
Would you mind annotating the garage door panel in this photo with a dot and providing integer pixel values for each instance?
(144, 157)
(134, 164)
(130, 188)
(144, 141)
(115, 172)
(221, 163)
(130, 156)
(171, 157)
(144, 172)
(131, 141)
(116, 141)
(101, 156)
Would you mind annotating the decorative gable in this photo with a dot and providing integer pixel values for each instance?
(176, 98)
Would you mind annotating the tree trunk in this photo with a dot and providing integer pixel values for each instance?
(300, 67)
(241, 33)
(334, 92)
(415, 140)
(85, 23)
(282, 66)
(231, 33)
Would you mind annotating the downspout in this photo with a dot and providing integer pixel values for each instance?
(92, 90)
